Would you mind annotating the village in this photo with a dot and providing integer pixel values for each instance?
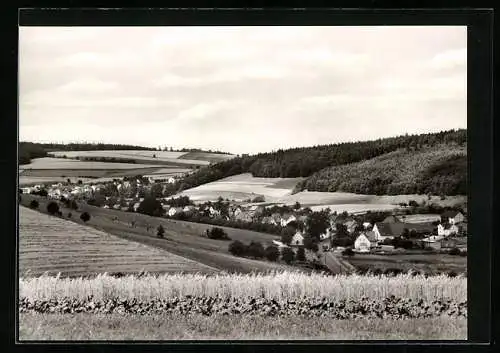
(348, 234)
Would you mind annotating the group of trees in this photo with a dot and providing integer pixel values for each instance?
(217, 233)
(106, 159)
(304, 161)
(54, 210)
(181, 201)
(257, 251)
(438, 170)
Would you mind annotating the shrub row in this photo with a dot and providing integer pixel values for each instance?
(390, 308)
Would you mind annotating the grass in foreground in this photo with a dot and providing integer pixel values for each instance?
(197, 327)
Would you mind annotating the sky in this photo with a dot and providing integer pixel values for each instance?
(239, 89)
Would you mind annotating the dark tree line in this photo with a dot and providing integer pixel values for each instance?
(304, 161)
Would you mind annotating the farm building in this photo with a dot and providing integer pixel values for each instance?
(453, 217)
(390, 230)
(297, 239)
(174, 210)
(279, 244)
(362, 244)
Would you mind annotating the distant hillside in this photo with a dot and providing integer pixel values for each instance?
(305, 161)
(30, 150)
(437, 170)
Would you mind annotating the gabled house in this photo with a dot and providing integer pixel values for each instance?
(362, 244)
(453, 217)
(269, 220)
(387, 230)
(136, 206)
(297, 239)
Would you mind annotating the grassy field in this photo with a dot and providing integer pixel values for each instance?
(277, 286)
(428, 263)
(205, 156)
(198, 327)
(55, 245)
(60, 163)
(181, 238)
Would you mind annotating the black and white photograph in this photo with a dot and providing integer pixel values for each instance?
(242, 183)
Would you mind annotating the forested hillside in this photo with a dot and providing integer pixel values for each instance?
(305, 161)
(437, 170)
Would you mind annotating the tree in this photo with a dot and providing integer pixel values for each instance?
(85, 216)
(317, 223)
(34, 204)
(68, 180)
(237, 248)
(70, 215)
(287, 234)
(301, 254)
(80, 182)
(256, 250)
(455, 251)
(342, 230)
(287, 255)
(413, 203)
(297, 206)
(160, 232)
(217, 233)
(272, 253)
(310, 243)
(151, 207)
(405, 233)
(53, 208)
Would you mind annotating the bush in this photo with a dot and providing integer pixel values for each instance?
(256, 250)
(272, 253)
(413, 203)
(348, 252)
(301, 254)
(237, 248)
(455, 251)
(259, 199)
(85, 217)
(218, 233)
(288, 255)
(34, 204)
(53, 208)
(160, 232)
(70, 215)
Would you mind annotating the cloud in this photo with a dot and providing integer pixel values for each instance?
(450, 59)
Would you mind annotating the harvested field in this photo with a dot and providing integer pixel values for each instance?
(50, 244)
(93, 173)
(107, 327)
(241, 187)
(206, 156)
(33, 180)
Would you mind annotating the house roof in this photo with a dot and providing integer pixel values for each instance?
(450, 214)
(391, 219)
(396, 229)
(371, 236)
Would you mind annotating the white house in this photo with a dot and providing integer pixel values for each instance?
(362, 244)
(136, 206)
(297, 239)
(447, 230)
(171, 180)
(174, 210)
(366, 225)
(279, 244)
